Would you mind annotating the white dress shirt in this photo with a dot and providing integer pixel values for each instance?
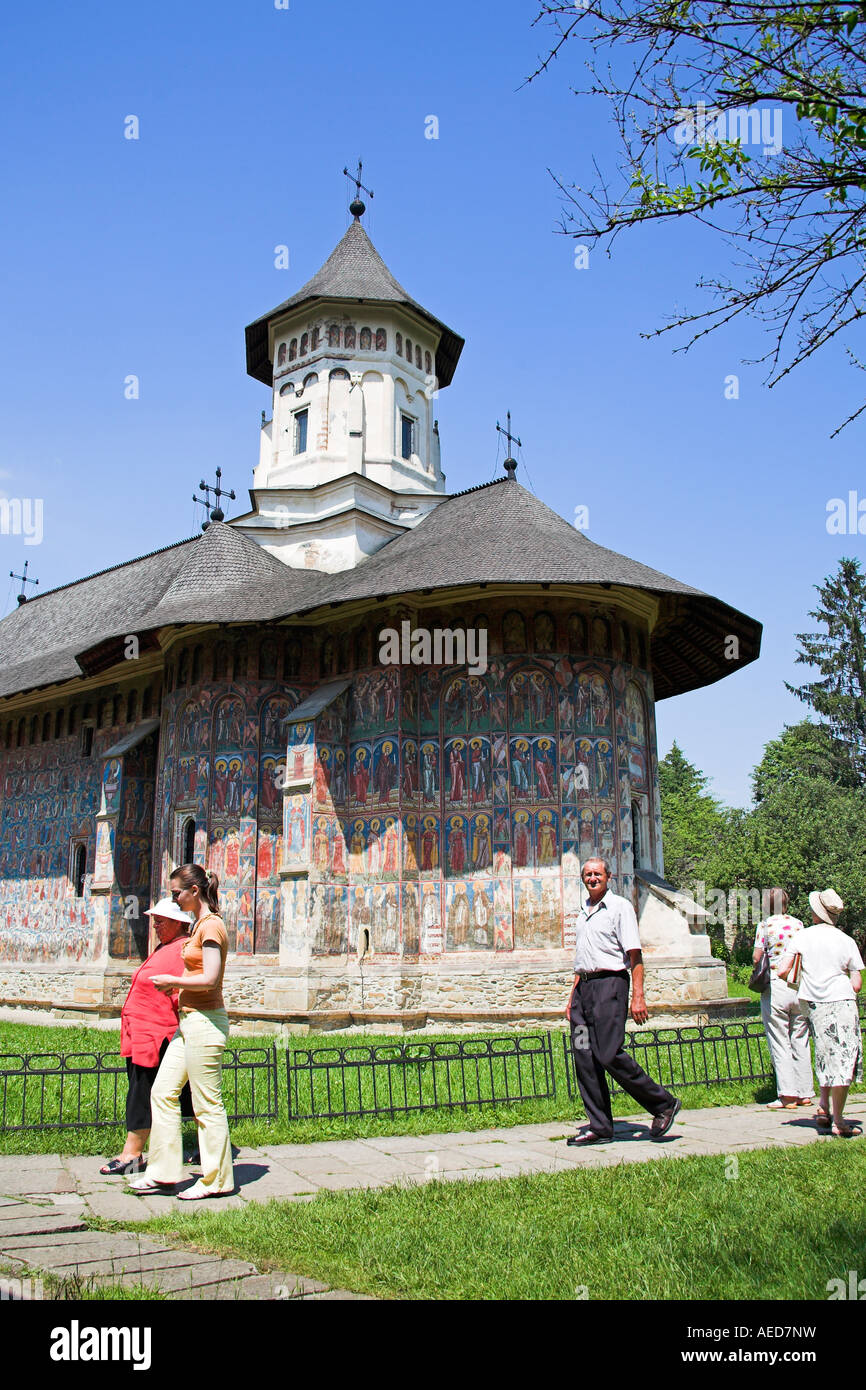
(605, 933)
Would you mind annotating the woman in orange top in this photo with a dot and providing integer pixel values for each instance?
(195, 1052)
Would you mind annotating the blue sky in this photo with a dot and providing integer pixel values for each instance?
(148, 257)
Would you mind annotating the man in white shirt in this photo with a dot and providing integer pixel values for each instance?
(607, 945)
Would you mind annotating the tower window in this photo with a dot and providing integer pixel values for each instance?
(400, 344)
(86, 740)
(381, 340)
(417, 357)
(305, 344)
(349, 337)
(293, 349)
(408, 349)
(188, 845)
(314, 340)
(301, 420)
(407, 425)
(281, 355)
(333, 336)
(366, 339)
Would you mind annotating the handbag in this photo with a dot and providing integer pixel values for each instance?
(760, 978)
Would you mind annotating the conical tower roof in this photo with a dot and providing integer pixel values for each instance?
(355, 272)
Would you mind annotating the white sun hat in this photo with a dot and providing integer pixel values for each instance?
(167, 907)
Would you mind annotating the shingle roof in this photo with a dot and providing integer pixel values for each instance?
(496, 534)
(353, 271)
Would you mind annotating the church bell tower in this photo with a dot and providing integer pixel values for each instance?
(350, 455)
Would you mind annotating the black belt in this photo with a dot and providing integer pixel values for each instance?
(602, 974)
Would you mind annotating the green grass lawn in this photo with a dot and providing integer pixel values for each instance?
(671, 1229)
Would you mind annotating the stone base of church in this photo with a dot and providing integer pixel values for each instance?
(263, 996)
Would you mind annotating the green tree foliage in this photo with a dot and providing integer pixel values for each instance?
(806, 830)
(694, 824)
(839, 653)
(748, 116)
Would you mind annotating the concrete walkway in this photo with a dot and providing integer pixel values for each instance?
(45, 1200)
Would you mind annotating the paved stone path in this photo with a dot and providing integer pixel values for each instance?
(45, 1200)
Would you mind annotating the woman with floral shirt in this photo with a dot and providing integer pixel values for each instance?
(786, 1028)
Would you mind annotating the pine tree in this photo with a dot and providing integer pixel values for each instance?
(839, 653)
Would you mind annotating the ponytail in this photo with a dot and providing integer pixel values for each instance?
(207, 883)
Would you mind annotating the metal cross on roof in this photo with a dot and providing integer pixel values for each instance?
(22, 597)
(510, 464)
(357, 208)
(216, 513)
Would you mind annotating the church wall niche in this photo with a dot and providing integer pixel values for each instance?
(222, 763)
(476, 798)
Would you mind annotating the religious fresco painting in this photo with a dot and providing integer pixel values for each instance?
(476, 796)
(411, 813)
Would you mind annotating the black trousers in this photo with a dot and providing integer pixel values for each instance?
(598, 1013)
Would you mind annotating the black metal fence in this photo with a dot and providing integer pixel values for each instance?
(87, 1090)
(710, 1055)
(399, 1078)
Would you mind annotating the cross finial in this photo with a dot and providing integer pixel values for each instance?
(22, 597)
(216, 513)
(357, 208)
(510, 464)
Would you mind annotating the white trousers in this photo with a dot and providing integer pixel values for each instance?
(195, 1055)
(788, 1040)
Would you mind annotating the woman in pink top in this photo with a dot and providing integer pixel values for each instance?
(148, 1020)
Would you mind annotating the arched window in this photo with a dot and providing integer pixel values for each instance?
(381, 340)
(428, 364)
(287, 388)
(79, 869)
(305, 344)
(333, 335)
(514, 632)
(635, 835)
(102, 714)
(34, 729)
(366, 339)
(132, 707)
(545, 632)
(268, 660)
(241, 661)
(22, 732)
(196, 665)
(400, 344)
(188, 842)
(293, 349)
(281, 355)
(408, 349)
(147, 703)
(314, 340)
(46, 727)
(292, 660)
(418, 356)
(60, 723)
(338, 374)
(310, 380)
(115, 711)
(349, 337)
(183, 668)
(576, 635)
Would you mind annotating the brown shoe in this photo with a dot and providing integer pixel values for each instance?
(664, 1119)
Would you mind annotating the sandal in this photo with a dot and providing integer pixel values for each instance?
(198, 1191)
(124, 1166)
(822, 1120)
(143, 1187)
(783, 1105)
(843, 1129)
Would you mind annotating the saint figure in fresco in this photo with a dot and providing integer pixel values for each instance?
(546, 847)
(455, 763)
(482, 914)
(460, 916)
(429, 845)
(457, 846)
(544, 771)
(481, 843)
(360, 776)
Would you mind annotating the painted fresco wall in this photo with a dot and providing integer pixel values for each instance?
(50, 797)
(450, 813)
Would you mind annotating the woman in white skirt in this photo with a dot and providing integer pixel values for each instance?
(830, 980)
(786, 1029)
